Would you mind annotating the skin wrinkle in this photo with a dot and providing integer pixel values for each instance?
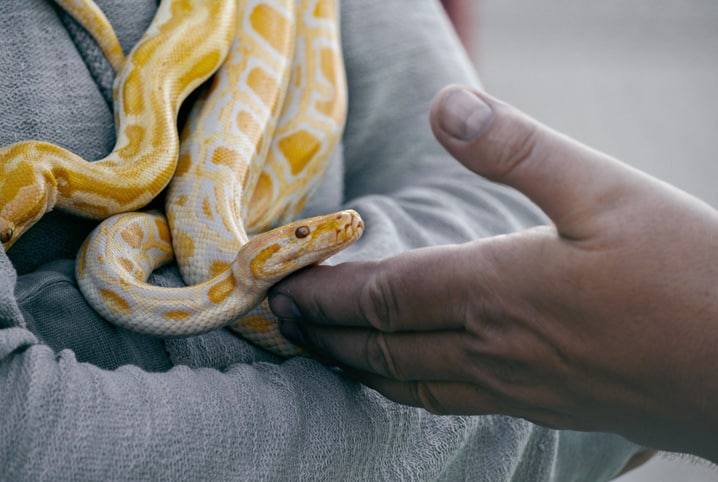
(377, 305)
(380, 356)
(424, 396)
(317, 311)
(523, 147)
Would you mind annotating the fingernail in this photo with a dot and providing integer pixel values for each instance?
(284, 307)
(463, 115)
(292, 331)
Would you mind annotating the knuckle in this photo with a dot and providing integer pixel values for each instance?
(522, 139)
(424, 396)
(316, 311)
(378, 302)
(380, 358)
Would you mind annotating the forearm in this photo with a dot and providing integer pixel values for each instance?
(64, 420)
(67, 420)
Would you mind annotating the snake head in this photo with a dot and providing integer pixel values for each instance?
(25, 196)
(281, 251)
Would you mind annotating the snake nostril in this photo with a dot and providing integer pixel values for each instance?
(302, 232)
(6, 235)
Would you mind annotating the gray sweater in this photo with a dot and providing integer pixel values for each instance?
(84, 400)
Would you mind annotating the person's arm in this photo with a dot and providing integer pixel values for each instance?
(65, 419)
(605, 321)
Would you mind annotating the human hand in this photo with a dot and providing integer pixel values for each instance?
(605, 321)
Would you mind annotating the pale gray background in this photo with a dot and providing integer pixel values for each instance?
(635, 78)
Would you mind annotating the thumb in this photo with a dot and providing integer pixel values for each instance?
(566, 179)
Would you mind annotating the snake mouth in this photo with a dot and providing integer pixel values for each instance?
(356, 226)
(349, 227)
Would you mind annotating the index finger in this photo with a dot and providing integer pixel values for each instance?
(417, 290)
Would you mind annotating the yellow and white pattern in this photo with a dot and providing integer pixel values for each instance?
(37, 176)
(254, 147)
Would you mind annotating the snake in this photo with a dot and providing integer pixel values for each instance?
(38, 176)
(94, 21)
(253, 149)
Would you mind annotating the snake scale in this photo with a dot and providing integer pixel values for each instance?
(254, 146)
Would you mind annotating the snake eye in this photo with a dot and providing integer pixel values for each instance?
(302, 232)
(6, 235)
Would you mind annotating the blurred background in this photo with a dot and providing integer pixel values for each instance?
(637, 79)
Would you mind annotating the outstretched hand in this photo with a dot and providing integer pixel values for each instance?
(607, 320)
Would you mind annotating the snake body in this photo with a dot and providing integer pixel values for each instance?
(94, 21)
(254, 147)
(226, 140)
(255, 144)
(133, 247)
(36, 175)
(312, 121)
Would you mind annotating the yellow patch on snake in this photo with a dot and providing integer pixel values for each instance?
(177, 315)
(183, 164)
(71, 182)
(297, 76)
(81, 263)
(132, 235)
(163, 231)
(271, 25)
(25, 177)
(257, 324)
(220, 291)
(218, 267)
(320, 11)
(26, 198)
(114, 300)
(206, 66)
(299, 147)
(185, 245)
(246, 123)
(207, 208)
(135, 134)
(264, 85)
(128, 265)
(257, 264)
(132, 98)
(328, 66)
(262, 196)
(224, 156)
(92, 209)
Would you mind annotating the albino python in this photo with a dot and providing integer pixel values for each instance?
(239, 160)
(37, 176)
